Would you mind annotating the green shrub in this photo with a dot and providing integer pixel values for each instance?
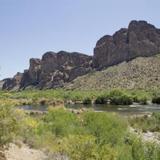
(140, 99)
(87, 101)
(147, 123)
(145, 150)
(61, 122)
(87, 136)
(156, 100)
(81, 147)
(120, 98)
(101, 100)
(8, 124)
(143, 100)
(84, 147)
(107, 128)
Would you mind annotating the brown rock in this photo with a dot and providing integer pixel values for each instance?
(140, 39)
(52, 71)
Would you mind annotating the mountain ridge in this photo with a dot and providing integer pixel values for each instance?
(54, 70)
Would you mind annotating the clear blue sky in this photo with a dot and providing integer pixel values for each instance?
(28, 28)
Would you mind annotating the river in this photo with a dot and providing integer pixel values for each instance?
(134, 109)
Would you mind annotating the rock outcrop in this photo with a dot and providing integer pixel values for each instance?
(53, 70)
(139, 40)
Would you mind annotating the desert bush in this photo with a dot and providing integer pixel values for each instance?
(89, 135)
(144, 150)
(146, 123)
(107, 128)
(81, 147)
(9, 124)
(61, 122)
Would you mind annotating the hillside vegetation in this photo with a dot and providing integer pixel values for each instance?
(140, 73)
(88, 136)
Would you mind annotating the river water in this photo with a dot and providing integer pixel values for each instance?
(134, 109)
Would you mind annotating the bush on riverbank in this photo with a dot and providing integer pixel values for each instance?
(103, 99)
(118, 97)
(147, 123)
(156, 100)
(87, 101)
(115, 97)
(61, 96)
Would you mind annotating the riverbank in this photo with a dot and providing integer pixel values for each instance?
(61, 97)
(78, 134)
(96, 135)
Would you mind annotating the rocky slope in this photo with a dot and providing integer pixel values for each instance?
(140, 39)
(140, 73)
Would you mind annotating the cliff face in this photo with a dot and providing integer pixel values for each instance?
(140, 39)
(53, 70)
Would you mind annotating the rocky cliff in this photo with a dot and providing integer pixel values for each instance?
(53, 70)
(140, 39)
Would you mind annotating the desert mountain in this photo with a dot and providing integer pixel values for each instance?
(140, 39)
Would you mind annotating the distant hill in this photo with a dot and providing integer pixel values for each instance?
(140, 73)
(54, 70)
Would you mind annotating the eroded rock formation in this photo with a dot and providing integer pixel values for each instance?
(140, 39)
(53, 70)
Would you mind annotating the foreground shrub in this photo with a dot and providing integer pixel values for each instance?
(106, 128)
(81, 147)
(8, 124)
(144, 150)
(84, 147)
(61, 122)
(86, 136)
(147, 123)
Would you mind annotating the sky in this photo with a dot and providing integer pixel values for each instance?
(29, 28)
